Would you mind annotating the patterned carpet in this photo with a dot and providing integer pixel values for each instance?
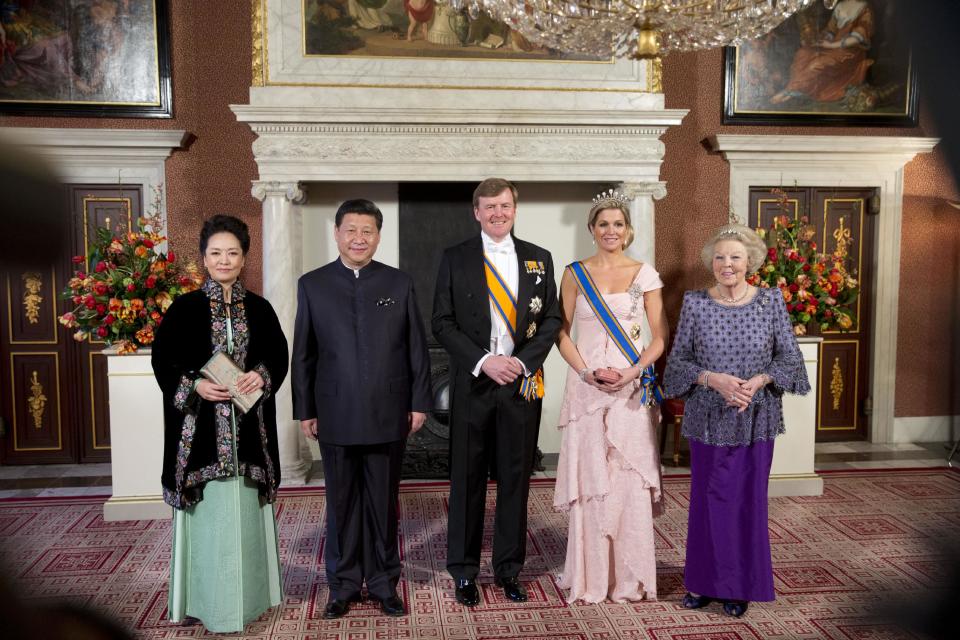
(836, 558)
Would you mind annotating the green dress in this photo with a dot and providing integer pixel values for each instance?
(225, 563)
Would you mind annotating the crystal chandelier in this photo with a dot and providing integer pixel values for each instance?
(641, 29)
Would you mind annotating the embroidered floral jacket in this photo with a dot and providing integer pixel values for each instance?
(198, 434)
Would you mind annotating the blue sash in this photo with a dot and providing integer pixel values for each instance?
(651, 391)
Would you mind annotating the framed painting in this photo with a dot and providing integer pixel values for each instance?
(836, 63)
(414, 28)
(100, 58)
(422, 44)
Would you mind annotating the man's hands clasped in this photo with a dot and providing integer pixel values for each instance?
(502, 369)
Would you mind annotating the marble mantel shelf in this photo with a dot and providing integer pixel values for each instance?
(437, 115)
(419, 142)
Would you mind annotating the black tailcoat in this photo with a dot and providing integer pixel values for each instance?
(487, 420)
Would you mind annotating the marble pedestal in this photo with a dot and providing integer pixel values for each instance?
(136, 439)
(792, 473)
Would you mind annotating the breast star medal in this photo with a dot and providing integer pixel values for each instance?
(531, 329)
(536, 304)
(635, 332)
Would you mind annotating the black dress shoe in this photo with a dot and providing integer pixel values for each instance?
(467, 593)
(336, 609)
(735, 608)
(691, 601)
(512, 588)
(393, 606)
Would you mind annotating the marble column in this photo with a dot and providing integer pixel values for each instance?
(643, 247)
(642, 195)
(282, 266)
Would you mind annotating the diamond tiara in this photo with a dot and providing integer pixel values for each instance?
(611, 199)
(731, 233)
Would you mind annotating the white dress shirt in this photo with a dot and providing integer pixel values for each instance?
(503, 255)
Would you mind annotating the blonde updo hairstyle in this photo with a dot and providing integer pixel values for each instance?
(755, 246)
(597, 208)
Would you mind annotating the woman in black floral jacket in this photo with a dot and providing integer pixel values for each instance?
(221, 467)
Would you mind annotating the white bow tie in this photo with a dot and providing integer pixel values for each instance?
(499, 248)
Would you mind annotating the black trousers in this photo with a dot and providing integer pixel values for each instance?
(490, 422)
(362, 486)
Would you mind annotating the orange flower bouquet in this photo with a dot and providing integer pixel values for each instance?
(125, 284)
(819, 290)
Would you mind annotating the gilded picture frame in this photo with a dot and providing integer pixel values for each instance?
(93, 58)
(414, 29)
(836, 63)
(287, 51)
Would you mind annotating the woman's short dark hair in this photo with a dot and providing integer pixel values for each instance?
(360, 207)
(225, 224)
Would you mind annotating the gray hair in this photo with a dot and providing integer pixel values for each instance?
(755, 246)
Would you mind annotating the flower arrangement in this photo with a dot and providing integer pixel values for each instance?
(819, 290)
(125, 284)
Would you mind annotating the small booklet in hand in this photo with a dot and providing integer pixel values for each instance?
(221, 369)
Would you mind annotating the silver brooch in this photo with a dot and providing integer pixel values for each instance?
(536, 305)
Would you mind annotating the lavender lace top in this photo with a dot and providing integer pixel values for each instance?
(743, 341)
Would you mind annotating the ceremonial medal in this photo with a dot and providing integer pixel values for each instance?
(532, 329)
(635, 332)
(536, 305)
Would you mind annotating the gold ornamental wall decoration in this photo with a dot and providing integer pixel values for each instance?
(36, 401)
(843, 237)
(32, 283)
(836, 383)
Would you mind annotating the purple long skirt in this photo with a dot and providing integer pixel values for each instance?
(728, 543)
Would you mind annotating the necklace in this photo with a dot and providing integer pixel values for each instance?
(732, 300)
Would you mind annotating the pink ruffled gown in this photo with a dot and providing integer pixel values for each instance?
(608, 474)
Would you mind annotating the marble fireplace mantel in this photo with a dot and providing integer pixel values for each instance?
(310, 134)
(394, 134)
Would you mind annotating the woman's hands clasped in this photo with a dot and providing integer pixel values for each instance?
(249, 381)
(737, 392)
(610, 379)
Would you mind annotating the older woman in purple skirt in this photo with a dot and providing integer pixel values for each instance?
(733, 358)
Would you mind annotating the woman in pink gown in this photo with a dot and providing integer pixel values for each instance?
(608, 474)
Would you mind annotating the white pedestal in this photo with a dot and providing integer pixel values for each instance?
(792, 473)
(136, 439)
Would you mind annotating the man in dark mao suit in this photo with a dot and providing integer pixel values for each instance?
(361, 385)
(495, 311)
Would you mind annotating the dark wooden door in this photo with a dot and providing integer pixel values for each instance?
(117, 208)
(38, 399)
(839, 215)
(54, 390)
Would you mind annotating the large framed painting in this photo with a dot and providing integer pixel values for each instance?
(85, 58)
(414, 28)
(421, 44)
(838, 62)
